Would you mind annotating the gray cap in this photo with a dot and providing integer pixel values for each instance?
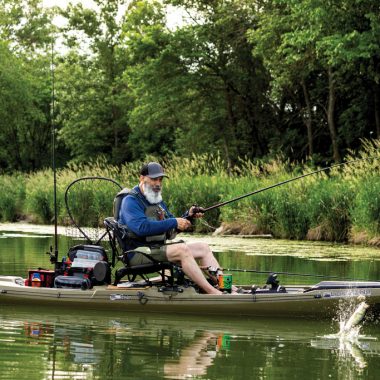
(153, 170)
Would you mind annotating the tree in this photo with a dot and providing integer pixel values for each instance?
(300, 38)
(26, 25)
(26, 30)
(24, 113)
(92, 114)
(199, 84)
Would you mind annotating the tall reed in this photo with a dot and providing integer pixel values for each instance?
(39, 197)
(12, 197)
(329, 206)
(366, 207)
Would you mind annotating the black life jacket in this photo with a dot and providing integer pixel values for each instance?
(152, 212)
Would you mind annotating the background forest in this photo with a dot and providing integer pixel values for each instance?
(250, 79)
(230, 95)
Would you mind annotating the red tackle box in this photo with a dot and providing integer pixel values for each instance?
(40, 278)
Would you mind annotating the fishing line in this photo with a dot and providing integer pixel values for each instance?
(207, 224)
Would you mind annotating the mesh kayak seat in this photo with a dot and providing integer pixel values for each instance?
(118, 239)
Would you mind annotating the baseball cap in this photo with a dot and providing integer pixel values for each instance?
(152, 170)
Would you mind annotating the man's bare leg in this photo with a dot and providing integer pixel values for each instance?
(183, 254)
(203, 253)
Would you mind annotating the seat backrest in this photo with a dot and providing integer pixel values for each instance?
(117, 232)
(117, 202)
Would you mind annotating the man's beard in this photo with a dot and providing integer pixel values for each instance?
(152, 196)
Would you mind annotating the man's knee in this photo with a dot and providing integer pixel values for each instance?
(200, 250)
(205, 248)
(178, 252)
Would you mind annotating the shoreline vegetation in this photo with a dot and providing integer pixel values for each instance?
(341, 205)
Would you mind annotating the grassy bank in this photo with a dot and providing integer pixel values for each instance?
(341, 205)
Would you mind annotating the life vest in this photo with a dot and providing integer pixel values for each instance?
(152, 212)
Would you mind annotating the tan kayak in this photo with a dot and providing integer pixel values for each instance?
(323, 300)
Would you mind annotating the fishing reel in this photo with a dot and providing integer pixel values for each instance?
(274, 283)
(195, 210)
(212, 273)
(53, 256)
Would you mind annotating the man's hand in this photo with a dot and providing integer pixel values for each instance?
(183, 224)
(195, 212)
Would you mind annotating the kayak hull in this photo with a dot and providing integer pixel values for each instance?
(319, 301)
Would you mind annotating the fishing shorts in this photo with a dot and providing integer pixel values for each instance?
(158, 253)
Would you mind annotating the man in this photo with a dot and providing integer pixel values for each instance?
(151, 224)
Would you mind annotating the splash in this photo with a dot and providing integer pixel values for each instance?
(350, 318)
(348, 341)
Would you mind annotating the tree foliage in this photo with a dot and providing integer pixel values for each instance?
(240, 78)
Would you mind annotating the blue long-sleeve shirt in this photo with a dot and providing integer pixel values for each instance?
(132, 214)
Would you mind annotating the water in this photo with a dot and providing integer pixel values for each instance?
(47, 344)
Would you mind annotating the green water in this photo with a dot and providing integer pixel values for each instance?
(47, 344)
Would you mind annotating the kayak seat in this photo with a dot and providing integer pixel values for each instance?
(117, 240)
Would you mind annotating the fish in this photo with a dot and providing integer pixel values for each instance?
(355, 318)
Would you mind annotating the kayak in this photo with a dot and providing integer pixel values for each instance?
(325, 299)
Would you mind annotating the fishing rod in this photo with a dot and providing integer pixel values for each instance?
(54, 254)
(198, 209)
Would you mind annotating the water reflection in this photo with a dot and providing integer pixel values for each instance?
(45, 345)
(42, 344)
(349, 353)
(195, 358)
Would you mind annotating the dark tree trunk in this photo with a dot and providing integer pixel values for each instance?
(231, 132)
(330, 116)
(307, 119)
(377, 110)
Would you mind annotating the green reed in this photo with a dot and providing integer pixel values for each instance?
(180, 193)
(11, 197)
(366, 209)
(327, 206)
(39, 197)
(364, 178)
